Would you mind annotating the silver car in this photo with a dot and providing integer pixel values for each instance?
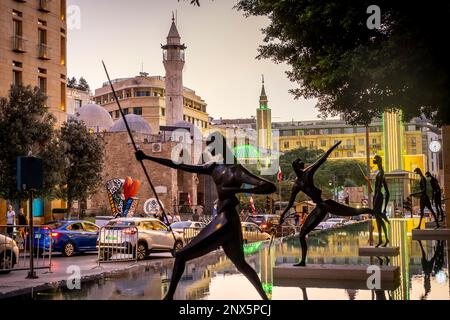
(251, 232)
(146, 235)
(9, 253)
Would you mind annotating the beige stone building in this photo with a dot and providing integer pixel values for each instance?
(161, 101)
(33, 52)
(76, 98)
(33, 49)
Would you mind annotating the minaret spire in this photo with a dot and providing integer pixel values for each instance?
(173, 59)
(263, 97)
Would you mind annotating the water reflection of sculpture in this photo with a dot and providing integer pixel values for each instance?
(424, 199)
(225, 229)
(436, 263)
(305, 183)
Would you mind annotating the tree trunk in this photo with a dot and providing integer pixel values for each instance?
(69, 208)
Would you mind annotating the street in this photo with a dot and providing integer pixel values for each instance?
(15, 283)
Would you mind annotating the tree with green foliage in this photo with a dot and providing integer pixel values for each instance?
(26, 128)
(84, 153)
(72, 82)
(356, 71)
(83, 85)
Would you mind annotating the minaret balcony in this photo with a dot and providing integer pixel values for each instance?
(169, 55)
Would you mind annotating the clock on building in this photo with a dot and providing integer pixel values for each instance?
(435, 146)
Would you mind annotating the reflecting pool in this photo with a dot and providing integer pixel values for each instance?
(423, 271)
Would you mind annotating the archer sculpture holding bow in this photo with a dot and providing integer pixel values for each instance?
(225, 229)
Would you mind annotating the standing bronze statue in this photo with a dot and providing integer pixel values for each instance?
(225, 229)
(424, 199)
(379, 198)
(305, 183)
(437, 195)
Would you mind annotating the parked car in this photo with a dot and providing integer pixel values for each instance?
(180, 227)
(251, 232)
(265, 221)
(68, 237)
(325, 225)
(337, 221)
(269, 222)
(9, 254)
(152, 236)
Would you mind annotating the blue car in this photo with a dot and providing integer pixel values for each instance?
(68, 237)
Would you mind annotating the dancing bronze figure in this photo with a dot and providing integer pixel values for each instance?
(424, 199)
(379, 198)
(437, 195)
(225, 229)
(305, 183)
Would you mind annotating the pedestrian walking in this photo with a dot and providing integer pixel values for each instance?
(22, 222)
(195, 216)
(10, 221)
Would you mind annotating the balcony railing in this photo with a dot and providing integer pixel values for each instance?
(43, 51)
(18, 44)
(44, 5)
(346, 147)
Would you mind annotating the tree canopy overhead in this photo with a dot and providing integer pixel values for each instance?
(356, 71)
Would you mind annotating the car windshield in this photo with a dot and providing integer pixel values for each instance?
(181, 224)
(258, 218)
(55, 225)
(273, 220)
(120, 223)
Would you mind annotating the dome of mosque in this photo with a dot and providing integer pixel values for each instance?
(96, 118)
(135, 122)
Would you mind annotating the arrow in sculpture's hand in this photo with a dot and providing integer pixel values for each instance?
(136, 149)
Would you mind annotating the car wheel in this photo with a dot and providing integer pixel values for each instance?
(105, 254)
(6, 262)
(177, 247)
(68, 249)
(142, 251)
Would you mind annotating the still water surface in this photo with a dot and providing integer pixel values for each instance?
(424, 274)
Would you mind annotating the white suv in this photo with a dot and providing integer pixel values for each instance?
(152, 236)
(9, 253)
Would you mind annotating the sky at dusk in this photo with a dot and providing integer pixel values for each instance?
(220, 58)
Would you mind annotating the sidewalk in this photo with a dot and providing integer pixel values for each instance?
(15, 283)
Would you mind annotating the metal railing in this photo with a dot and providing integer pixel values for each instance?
(249, 235)
(15, 248)
(190, 233)
(119, 243)
(18, 43)
(44, 5)
(43, 51)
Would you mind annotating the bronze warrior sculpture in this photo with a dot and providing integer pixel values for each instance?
(225, 229)
(305, 183)
(424, 199)
(378, 198)
(437, 195)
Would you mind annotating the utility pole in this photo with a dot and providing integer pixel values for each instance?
(369, 194)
